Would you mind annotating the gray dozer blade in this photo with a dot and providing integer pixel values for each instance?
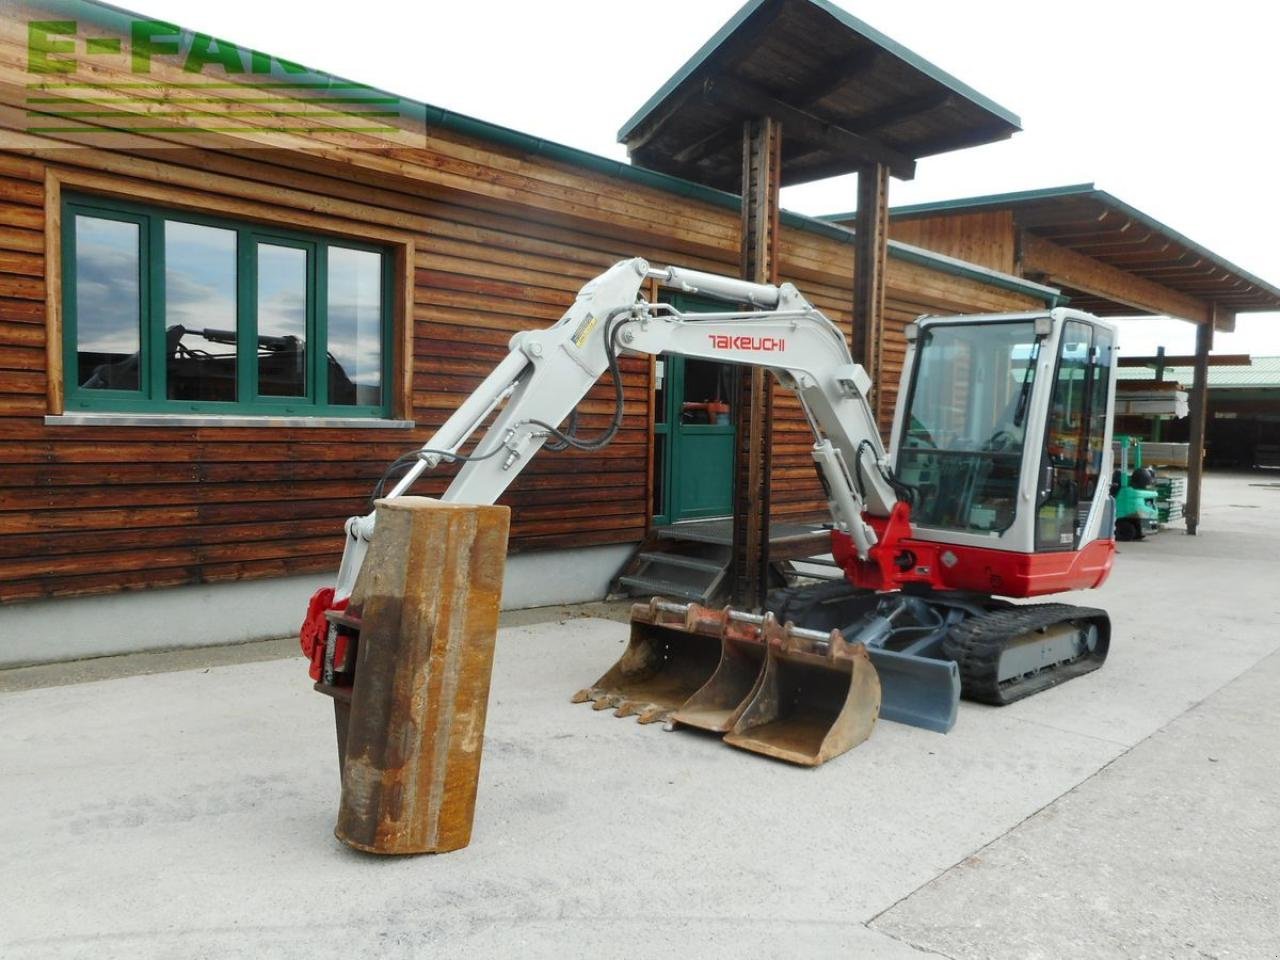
(919, 691)
(803, 696)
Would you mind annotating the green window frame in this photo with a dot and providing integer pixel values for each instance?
(151, 394)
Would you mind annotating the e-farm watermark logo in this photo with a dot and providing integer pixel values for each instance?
(155, 78)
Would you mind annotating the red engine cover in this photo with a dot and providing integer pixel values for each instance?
(899, 559)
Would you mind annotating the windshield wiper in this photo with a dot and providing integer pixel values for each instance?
(1025, 395)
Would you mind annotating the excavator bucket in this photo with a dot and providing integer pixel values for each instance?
(674, 650)
(799, 695)
(818, 697)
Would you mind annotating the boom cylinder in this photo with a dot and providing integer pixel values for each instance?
(762, 295)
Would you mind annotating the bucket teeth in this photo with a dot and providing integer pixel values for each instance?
(652, 714)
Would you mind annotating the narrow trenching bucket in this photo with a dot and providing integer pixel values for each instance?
(673, 651)
(818, 697)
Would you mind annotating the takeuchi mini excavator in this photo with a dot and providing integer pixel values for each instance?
(996, 488)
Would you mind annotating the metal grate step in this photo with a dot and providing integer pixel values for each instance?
(679, 560)
(650, 586)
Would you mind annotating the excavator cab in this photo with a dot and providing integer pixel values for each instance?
(1004, 435)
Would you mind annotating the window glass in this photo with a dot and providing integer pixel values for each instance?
(966, 423)
(1066, 452)
(282, 321)
(1100, 383)
(200, 312)
(108, 303)
(708, 390)
(355, 327)
(168, 311)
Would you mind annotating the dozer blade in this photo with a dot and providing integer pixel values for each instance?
(673, 651)
(818, 697)
(919, 691)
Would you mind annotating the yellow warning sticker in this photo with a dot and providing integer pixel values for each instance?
(584, 330)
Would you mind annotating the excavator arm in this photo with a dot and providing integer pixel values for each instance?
(549, 371)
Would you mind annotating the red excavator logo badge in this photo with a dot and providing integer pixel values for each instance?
(723, 341)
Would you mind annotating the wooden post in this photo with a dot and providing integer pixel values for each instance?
(1199, 409)
(427, 598)
(871, 244)
(753, 465)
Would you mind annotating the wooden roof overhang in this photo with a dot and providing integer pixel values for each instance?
(846, 96)
(1110, 258)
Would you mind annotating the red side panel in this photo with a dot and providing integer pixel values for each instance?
(899, 559)
(1025, 574)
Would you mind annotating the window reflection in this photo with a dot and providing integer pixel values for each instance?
(282, 321)
(966, 424)
(200, 312)
(108, 305)
(355, 327)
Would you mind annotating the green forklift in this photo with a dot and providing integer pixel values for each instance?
(1134, 488)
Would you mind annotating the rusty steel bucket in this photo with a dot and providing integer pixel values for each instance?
(673, 651)
(818, 697)
(798, 695)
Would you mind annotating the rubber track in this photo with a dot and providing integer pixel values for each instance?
(976, 644)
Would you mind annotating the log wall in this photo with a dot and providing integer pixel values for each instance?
(494, 240)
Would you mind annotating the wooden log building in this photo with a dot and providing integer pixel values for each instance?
(215, 334)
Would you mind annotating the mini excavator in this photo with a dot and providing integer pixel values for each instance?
(995, 489)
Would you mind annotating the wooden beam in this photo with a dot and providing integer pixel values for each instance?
(806, 128)
(1067, 268)
(753, 463)
(836, 76)
(870, 249)
(1217, 360)
(1199, 409)
(903, 110)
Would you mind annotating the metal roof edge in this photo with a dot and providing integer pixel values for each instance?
(111, 16)
(931, 70)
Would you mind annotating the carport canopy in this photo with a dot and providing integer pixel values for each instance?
(846, 96)
(1112, 259)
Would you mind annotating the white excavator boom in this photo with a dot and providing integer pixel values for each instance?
(548, 372)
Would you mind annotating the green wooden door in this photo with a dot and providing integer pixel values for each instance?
(694, 442)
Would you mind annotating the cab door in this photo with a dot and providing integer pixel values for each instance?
(1076, 437)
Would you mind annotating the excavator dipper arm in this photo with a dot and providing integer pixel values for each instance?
(549, 371)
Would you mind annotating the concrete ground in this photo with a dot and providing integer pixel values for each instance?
(1129, 813)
